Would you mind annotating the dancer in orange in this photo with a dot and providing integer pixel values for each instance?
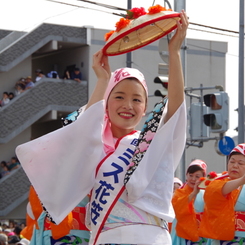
(188, 206)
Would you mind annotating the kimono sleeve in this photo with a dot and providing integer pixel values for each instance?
(156, 169)
(218, 220)
(186, 226)
(61, 165)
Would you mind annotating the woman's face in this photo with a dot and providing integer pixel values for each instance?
(191, 178)
(125, 106)
(236, 166)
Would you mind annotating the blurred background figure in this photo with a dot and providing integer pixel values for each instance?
(177, 183)
(29, 83)
(76, 75)
(53, 74)
(39, 75)
(5, 99)
(3, 239)
(23, 241)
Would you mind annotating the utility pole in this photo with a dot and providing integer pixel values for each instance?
(178, 6)
(129, 54)
(241, 77)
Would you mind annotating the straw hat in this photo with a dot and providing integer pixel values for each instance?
(133, 33)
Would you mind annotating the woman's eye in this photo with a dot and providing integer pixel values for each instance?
(138, 100)
(119, 97)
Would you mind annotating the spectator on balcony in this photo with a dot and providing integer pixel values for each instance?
(29, 83)
(19, 88)
(67, 74)
(14, 163)
(11, 95)
(4, 169)
(22, 80)
(39, 74)
(53, 74)
(5, 99)
(76, 75)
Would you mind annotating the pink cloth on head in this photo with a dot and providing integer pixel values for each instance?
(117, 76)
(239, 148)
(200, 163)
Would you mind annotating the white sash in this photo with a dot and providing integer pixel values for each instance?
(110, 182)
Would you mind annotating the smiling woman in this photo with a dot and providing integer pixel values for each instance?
(100, 148)
(224, 213)
(126, 106)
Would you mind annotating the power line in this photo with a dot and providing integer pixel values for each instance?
(104, 5)
(212, 32)
(215, 28)
(209, 49)
(78, 6)
(122, 9)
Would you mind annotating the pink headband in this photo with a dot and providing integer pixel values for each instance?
(117, 76)
(124, 73)
(199, 163)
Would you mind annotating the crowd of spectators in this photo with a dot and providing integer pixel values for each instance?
(7, 167)
(10, 234)
(25, 83)
(21, 85)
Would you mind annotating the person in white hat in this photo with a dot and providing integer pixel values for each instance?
(188, 206)
(3, 239)
(224, 213)
(23, 241)
(177, 183)
(95, 153)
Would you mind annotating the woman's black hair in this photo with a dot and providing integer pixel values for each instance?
(193, 168)
(233, 153)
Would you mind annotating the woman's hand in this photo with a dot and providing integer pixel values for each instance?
(195, 191)
(102, 70)
(180, 34)
(175, 78)
(101, 66)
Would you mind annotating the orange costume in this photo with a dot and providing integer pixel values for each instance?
(73, 221)
(187, 214)
(220, 221)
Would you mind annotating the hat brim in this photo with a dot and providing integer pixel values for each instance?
(141, 32)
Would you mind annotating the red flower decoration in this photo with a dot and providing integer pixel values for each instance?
(156, 9)
(122, 23)
(108, 35)
(202, 178)
(225, 172)
(207, 182)
(212, 175)
(135, 13)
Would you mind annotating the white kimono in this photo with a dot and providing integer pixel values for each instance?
(62, 167)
